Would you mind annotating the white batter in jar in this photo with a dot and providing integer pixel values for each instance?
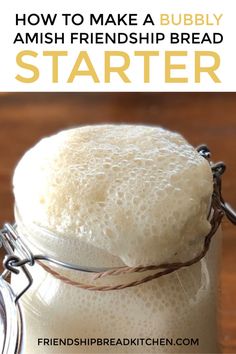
(116, 195)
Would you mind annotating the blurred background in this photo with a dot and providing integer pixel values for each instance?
(201, 117)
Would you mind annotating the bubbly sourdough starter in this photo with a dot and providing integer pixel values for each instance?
(108, 196)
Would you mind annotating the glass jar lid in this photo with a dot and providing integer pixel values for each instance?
(11, 321)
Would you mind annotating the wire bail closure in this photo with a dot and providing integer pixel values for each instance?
(18, 255)
(218, 170)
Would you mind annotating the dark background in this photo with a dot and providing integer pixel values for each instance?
(201, 117)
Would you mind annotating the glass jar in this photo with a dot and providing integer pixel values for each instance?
(177, 313)
(172, 313)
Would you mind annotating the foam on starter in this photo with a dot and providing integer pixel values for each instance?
(115, 195)
(140, 193)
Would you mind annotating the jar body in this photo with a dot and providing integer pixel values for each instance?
(178, 311)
